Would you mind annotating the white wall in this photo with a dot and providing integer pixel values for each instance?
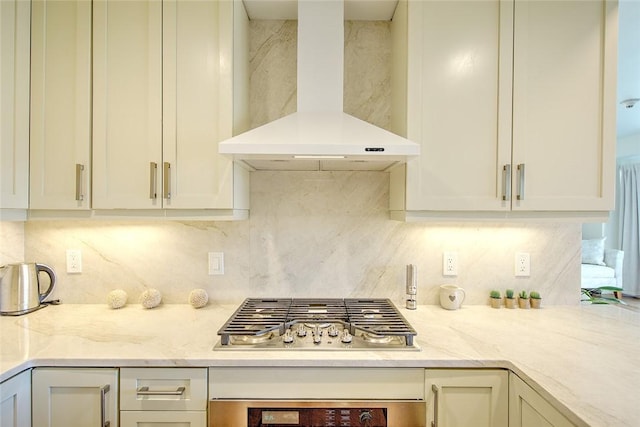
(628, 147)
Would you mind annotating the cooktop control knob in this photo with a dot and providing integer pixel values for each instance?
(346, 337)
(333, 331)
(317, 335)
(302, 331)
(287, 338)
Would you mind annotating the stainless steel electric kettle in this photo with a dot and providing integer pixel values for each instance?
(20, 288)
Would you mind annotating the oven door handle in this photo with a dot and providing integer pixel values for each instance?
(435, 390)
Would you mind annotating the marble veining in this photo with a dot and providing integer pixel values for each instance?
(272, 70)
(582, 358)
(367, 71)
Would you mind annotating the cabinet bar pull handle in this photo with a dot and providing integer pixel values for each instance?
(434, 388)
(79, 170)
(520, 181)
(153, 180)
(506, 182)
(103, 405)
(166, 177)
(144, 391)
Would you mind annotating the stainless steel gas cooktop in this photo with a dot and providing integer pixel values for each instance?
(316, 324)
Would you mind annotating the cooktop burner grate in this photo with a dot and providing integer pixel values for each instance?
(372, 319)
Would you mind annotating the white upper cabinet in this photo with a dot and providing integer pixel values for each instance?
(197, 104)
(163, 98)
(564, 88)
(514, 105)
(60, 105)
(127, 104)
(15, 22)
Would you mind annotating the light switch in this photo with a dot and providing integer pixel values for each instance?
(216, 263)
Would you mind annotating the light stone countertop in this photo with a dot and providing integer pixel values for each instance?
(584, 359)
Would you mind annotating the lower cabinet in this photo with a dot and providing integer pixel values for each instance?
(15, 401)
(163, 419)
(163, 397)
(467, 397)
(528, 409)
(177, 397)
(75, 397)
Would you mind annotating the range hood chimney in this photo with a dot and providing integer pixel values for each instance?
(320, 136)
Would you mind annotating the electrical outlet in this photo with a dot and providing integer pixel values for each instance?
(74, 261)
(216, 263)
(523, 264)
(450, 264)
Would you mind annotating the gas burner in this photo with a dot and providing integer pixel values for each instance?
(371, 314)
(377, 339)
(317, 324)
(250, 339)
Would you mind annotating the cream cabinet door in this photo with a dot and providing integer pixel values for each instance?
(467, 398)
(15, 401)
(60, 105)
(127, 104)
(514, 105)
(459, 100)
(197, 103)
(564, 100)
(528, 409)
(75, 397)
(14, 103)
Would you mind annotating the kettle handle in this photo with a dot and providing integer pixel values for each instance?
(52, 280)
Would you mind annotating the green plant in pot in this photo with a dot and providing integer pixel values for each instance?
(523, 299)
(495, 298)
(535, 299)
(509, 299)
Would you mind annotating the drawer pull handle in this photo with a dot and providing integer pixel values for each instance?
(144, 391)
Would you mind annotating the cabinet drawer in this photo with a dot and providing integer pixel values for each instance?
(316, 383)
(163, 418)
(163, 389)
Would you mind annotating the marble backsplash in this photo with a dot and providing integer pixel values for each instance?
(310, 234)
(11, 242)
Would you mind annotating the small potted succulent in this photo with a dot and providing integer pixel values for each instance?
(495, 298)
(523, 299)
(535, 299)
(509, 299)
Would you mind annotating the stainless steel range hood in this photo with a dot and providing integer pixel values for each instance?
(320, 136)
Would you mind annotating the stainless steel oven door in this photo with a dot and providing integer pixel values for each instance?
(288, 413)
